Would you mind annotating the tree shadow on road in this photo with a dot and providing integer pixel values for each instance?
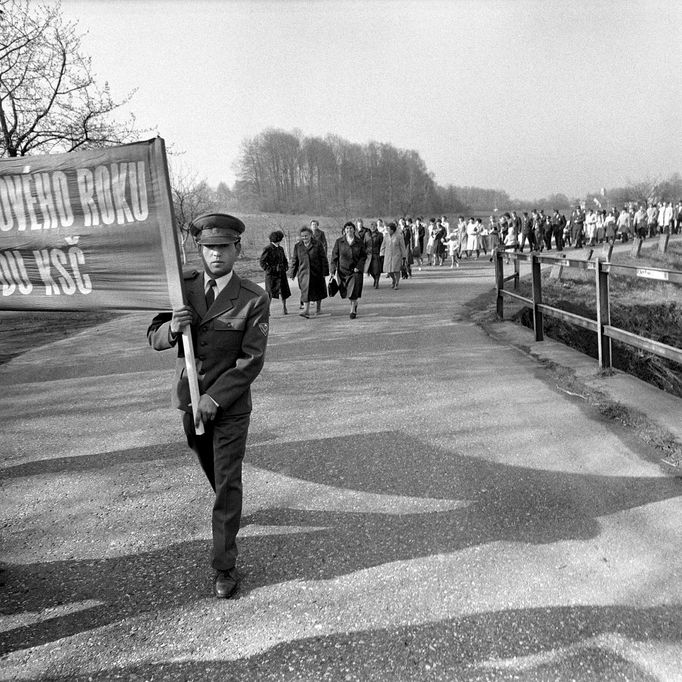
(500, 503)
(534, 644)
(25, 330)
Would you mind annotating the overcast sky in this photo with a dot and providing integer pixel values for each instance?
(531, 97)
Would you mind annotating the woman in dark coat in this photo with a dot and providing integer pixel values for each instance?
(348, 263)
(274, 262)
(439, 248)
(407, 236)
(310, 263)
(375, 264)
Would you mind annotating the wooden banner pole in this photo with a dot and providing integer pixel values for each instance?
(192, 377)
(171, 250)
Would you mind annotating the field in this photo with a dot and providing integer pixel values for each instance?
(646, 307)
(259, 226)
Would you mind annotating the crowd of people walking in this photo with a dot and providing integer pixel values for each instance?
(585, 226)
(393, 249)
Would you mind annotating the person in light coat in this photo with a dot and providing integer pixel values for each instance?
(394, 252)
(591, 227)
(473, 243)
(624, 225)
(668, 213)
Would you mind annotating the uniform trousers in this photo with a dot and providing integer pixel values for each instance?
(221, 452)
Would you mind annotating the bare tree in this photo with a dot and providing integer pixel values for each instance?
(191, 198)
(644, 190)
(286, 172)
(49, 98)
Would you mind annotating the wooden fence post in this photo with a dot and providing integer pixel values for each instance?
(517, 273)
(663, 240)
(603, 315)
(537, 296)
(499, 281)
(557, 269)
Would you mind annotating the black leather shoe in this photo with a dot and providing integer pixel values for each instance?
(225, 583)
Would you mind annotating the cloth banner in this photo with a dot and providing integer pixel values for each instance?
(89, 230)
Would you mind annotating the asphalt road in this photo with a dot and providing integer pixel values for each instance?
(422, 502)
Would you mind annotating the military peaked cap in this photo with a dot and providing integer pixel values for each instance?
(216, 228)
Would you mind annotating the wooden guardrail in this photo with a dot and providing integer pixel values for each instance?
(602, 325)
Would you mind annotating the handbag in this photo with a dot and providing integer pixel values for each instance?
(332, 287)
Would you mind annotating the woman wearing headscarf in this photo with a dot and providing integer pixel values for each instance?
(274, 262)
(310, 263)
(394, 251)
(348, 263)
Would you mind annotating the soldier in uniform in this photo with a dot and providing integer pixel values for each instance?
(228, 318)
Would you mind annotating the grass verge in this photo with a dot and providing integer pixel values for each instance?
(643, 306)
(649, 308)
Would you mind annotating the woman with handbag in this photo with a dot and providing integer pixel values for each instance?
(348, 263)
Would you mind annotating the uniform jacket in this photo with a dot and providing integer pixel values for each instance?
(229, 342)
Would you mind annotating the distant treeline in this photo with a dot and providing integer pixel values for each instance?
(286, 172)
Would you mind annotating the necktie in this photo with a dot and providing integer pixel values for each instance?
(210, 293)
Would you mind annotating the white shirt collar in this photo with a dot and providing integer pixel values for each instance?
(220, 282)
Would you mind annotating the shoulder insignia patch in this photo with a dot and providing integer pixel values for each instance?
(263, 326)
